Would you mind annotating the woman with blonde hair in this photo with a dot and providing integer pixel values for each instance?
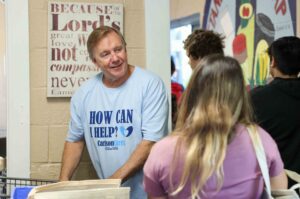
(210, 154)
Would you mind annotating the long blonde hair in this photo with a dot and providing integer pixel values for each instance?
(214, 101)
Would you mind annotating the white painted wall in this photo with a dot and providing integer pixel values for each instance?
(18, 92)
(3, 101)
(157, 29)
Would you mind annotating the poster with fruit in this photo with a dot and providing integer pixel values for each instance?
(250, 26)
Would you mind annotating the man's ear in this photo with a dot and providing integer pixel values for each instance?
(273, 67)
(273, 63)
(94, 60)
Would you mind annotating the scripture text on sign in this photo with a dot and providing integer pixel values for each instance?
(69, 25)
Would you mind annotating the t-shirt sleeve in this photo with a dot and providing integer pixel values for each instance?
(274, 160)
(152, 175)
(75, 132)
(155, 111)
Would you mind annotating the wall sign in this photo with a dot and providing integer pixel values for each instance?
(69, 25)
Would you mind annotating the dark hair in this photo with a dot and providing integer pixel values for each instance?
(203, 42)
(216, 78)
(100, 33)
(286, 54)
(173, 68)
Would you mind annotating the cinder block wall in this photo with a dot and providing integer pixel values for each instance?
(184, 8)
(49, 117)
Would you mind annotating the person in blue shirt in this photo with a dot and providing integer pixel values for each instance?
(118, 114)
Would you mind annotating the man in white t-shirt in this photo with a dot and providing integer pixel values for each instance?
(119, 114)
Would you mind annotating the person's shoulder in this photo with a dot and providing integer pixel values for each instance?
(242, 132)
(259, 90)
(265, 136)
(147, 80)
(162, 151)
(267, 89)
(146, 75)
(262, 94)
(269, 144)
(244, 128)
(167, 142)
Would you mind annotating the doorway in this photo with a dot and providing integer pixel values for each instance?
(180, 29)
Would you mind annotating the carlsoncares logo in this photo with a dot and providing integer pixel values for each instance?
(126, 132)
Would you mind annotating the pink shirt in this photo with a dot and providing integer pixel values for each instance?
(242, 175)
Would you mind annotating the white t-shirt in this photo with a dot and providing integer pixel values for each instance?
(113, 121)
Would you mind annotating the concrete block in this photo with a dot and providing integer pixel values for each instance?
(48, 111)
(45, 171)
(134, 28)
(57, 136)
(38, 29)
(134, 5)
(37, 4)
(39, 143)
(38, 68)
(85, 171)
(137, 57)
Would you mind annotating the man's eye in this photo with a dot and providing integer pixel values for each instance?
(104, 55)
(118, 49)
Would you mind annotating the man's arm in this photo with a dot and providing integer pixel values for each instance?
(135, 162)
(70, 160)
